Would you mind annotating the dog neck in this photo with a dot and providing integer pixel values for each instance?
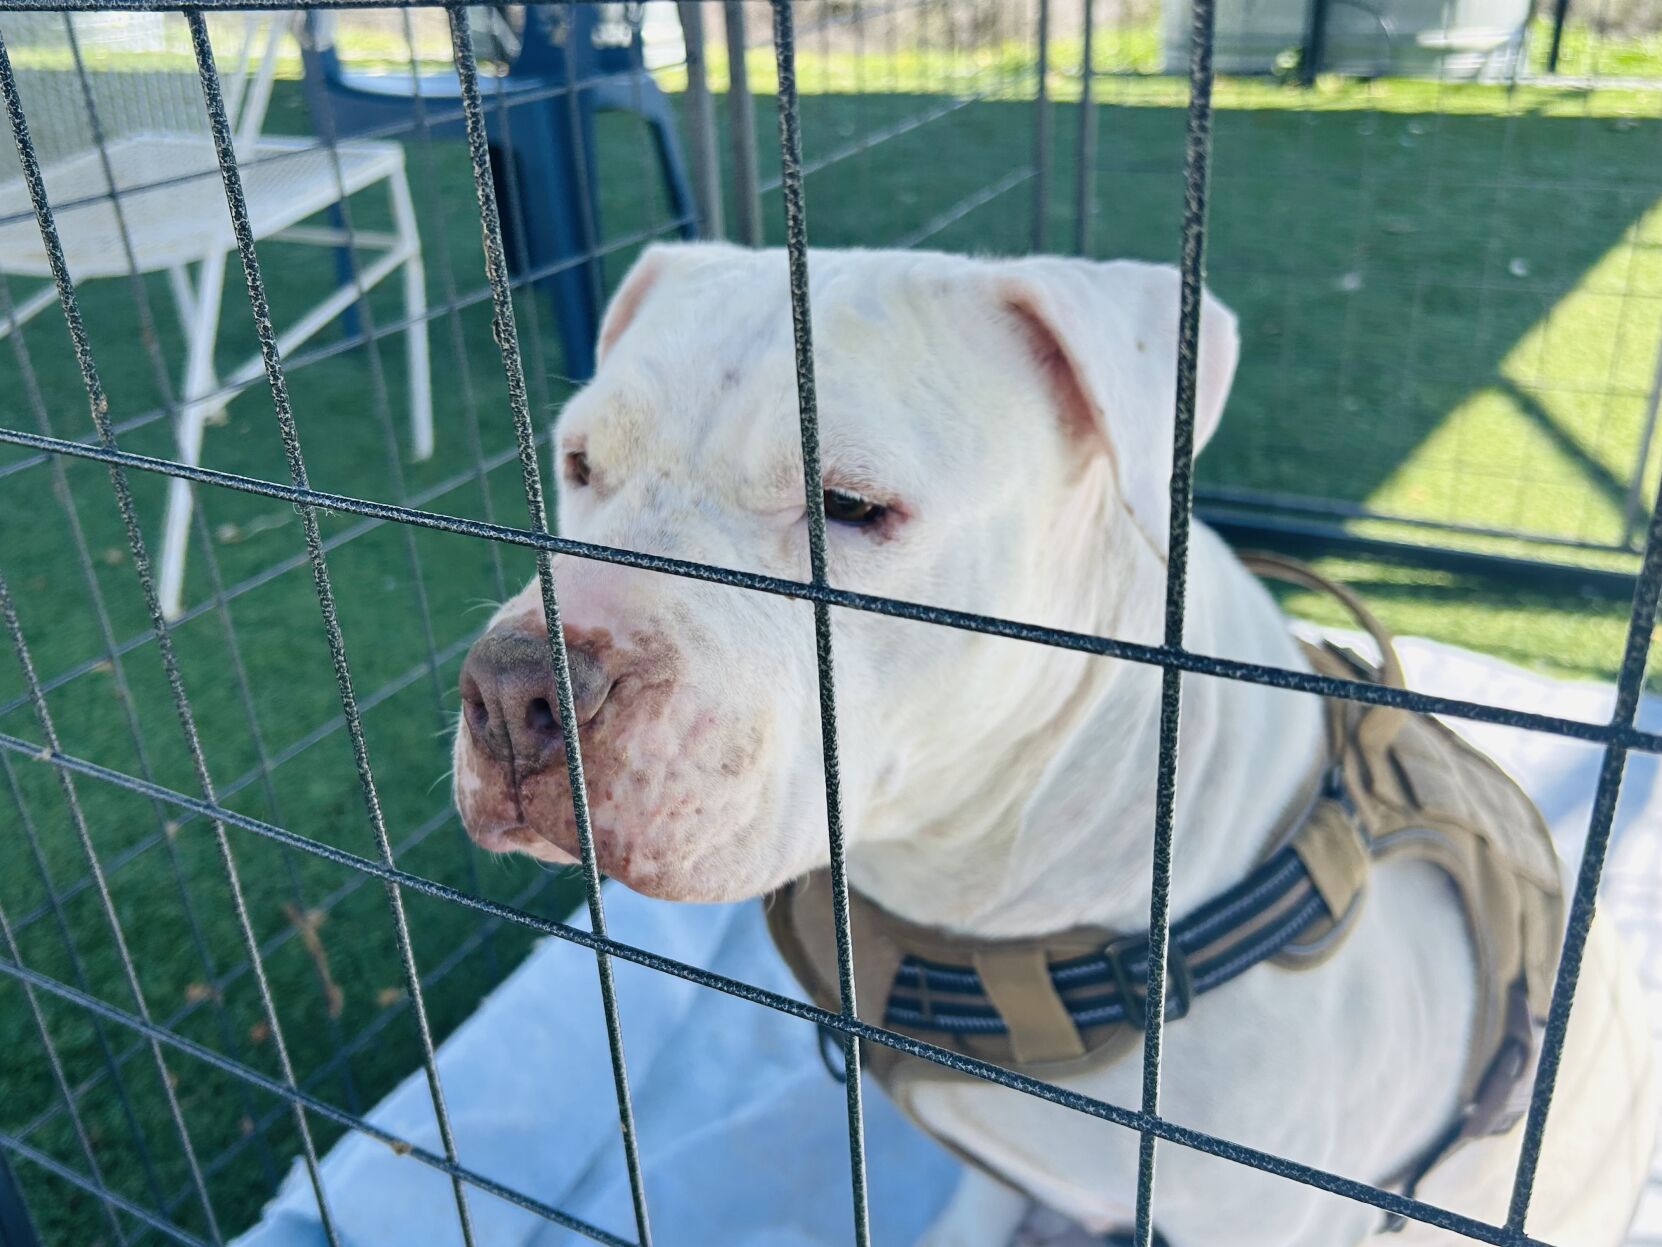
(1058, 831)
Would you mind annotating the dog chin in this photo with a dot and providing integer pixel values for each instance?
(649, 878)
(517, 838)
(676, 841)
(662, 876)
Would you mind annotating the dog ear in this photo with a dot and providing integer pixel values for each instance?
(631, 292)
(1104, 337)
(656, 263)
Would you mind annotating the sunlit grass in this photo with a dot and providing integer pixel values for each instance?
(1549, 447)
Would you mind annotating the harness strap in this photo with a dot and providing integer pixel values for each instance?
(1293, 906)
(1333, 855)
(1376, 725)
(1395, 784)
(1018, 983)
(1045, 1005)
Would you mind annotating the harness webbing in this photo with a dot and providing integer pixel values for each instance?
(1249, 923)
(1396, 785)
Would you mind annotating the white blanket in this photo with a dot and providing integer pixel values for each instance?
(742, 1132)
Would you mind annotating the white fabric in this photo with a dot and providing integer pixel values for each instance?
(742, 1133)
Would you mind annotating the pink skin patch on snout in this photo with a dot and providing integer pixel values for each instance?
(669, 782)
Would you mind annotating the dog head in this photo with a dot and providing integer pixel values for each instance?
(995, 436)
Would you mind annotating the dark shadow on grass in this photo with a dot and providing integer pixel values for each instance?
(1595, 474)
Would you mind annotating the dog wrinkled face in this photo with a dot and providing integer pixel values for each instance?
(948, 478)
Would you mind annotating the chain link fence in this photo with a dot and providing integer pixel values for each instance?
(235, 905)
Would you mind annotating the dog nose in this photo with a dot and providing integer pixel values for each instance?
(509, 701)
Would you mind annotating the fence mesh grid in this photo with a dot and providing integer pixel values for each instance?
(258, 1092)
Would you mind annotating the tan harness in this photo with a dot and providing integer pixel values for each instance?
(1398, 784)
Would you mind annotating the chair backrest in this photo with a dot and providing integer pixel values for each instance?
(139, 72)
(606, 39)
(520, 39)
(340, 42)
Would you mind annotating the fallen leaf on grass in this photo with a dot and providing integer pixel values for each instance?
(306, 926)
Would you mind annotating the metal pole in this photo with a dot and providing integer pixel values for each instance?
(1041, 128)
(1634, 518)
(701, 123)
(796, 248)
(741, 126)
(1084, 199)
(1315, 41)
(1560, 11)
(1197, 158)
(16, 1230)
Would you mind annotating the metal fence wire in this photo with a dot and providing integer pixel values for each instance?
(155, 1114)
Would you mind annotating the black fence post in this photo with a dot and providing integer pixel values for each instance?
(1084, 186)
(1041, 127)
(1560, 11)
(16, 1229)
(1315, 41)
(741, 130)
(1634, 519)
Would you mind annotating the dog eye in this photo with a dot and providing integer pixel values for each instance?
(577, 467)
(842, 507)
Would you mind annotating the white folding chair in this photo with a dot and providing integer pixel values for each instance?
(151, 152)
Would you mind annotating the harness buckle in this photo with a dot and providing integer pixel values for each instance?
(831, 1053)
(1334, 788)
(1503, 1092)
(1180, 988)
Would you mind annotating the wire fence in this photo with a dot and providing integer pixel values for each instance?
(171, 1058)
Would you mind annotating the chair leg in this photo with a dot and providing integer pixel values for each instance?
(200, 315)
(415, 310)
(661, 121)
(351, 322)
(184, 300)
(646, 100)
(556, 220)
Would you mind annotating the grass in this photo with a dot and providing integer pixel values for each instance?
(1448, 296)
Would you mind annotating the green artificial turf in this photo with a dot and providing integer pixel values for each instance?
(1448, 298)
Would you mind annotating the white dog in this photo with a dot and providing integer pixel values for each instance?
(996, 437)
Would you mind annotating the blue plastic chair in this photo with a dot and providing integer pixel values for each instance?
(550, 200)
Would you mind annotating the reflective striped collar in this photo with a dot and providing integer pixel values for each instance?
(1253, 921)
